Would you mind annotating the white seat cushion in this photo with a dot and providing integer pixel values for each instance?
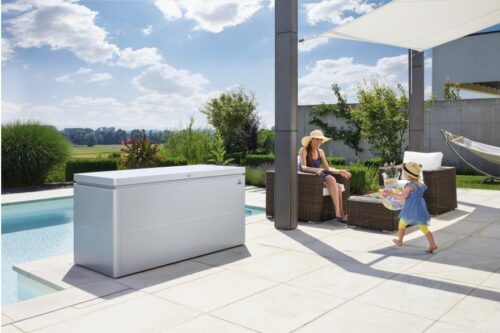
(429, 161)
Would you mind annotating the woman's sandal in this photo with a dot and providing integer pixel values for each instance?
(339, 219)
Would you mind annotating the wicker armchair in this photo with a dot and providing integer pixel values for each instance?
(441, 194)
(314, 201)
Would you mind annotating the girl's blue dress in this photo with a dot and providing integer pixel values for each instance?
(415, 211)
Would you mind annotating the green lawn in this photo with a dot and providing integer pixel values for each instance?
(93, 152)
(476, 182)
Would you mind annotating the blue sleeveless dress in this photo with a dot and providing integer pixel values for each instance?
(415, 211)
(317, 164)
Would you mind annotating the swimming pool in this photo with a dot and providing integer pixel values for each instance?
(37, 230)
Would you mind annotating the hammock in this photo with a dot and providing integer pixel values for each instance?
(487, 152)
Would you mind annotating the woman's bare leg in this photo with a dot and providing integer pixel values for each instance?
(334, 193)
(341, 204)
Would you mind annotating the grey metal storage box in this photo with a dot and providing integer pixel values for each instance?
(133, 220)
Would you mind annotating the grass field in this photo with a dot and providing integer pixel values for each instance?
(94, 152)
(476, 182)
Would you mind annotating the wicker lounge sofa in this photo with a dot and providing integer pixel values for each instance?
(314, 201)
(441, 195)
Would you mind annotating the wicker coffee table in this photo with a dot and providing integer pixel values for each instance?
(367, 211)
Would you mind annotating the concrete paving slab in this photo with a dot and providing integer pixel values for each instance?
(359, 317)
(208, 324)
(273, 311)
(216, 290)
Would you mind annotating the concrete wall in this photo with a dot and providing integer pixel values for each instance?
(476, 119)
(331, 148)
(475, 58)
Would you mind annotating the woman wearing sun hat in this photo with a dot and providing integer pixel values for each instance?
(311, 160)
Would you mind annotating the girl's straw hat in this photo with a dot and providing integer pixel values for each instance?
(316, 134)
(413, 169)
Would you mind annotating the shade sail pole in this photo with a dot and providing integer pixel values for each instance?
(285, 193)
(416, 100)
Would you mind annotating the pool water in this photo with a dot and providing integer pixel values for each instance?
(37, 230)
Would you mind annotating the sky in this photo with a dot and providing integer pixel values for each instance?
(153, 64)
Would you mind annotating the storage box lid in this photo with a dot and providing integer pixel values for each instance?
(155, 175)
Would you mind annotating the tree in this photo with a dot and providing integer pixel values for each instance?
(350, 134)
(90, 139)
(265, 139)
(233, 115)
(383, 119)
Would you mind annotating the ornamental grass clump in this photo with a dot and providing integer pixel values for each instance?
(29, 151)
(141, 153)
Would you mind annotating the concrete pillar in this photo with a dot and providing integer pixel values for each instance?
(285, 193)
(416, 100)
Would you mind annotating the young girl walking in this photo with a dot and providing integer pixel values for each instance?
(414, 210)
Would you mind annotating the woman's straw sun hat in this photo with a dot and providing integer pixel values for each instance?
(316, 134)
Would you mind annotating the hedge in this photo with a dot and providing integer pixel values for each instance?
(255, 160)
(173, 162)
(335, 160)
(361, 178)
(374, 162)
(89, 165)
(258, 160)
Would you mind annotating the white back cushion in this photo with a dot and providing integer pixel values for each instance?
(429, 161)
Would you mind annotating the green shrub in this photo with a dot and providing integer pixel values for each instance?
(115, 155)
(172, 162)
(335, 160)
(265, 139)
(235, 157)
(56, 174)
(374, 162)
(89, 165)
(255, 176)
(217, 150)
(258, 160)
(362, 179)
(141, 153)
(189, 144)
(29, 151)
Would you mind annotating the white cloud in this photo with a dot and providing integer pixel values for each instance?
(84, 75)
(92, 103)
(213, 15)
(61, 25)
(7, 50)
(310, 44)
(99, 77)
(137, 58)
(65, 24)
(166, 80)
(64, 78)
(83, 70)
(150, 111)
(336, 11)
(148, 30)
(315, 86)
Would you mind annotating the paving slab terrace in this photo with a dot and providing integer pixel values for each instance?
(318, 278)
